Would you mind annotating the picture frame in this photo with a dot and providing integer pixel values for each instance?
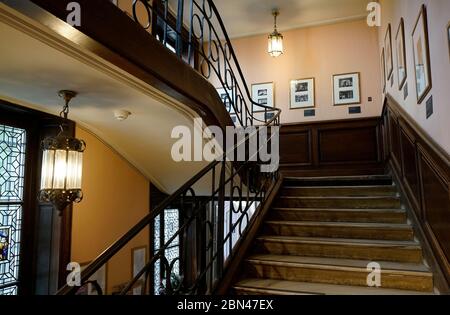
(448, 39)
(263, 93)
(101, 277)
(388, 53)
(421, 55)
(139, 257)
(402, 71)
(346, 89)
(302, 93)
(225, 97)
(383, 71)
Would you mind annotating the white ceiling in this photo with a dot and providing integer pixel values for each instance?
(31, 73)
(251, 17)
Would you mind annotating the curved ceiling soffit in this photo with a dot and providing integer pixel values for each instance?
(63, 45)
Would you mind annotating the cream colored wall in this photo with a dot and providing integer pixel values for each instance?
(116, 197)
(438, 12)
(317, 52)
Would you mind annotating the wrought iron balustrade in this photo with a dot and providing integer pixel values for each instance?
(214, 220)
(195, 32)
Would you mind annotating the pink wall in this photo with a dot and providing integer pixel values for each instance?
(317, 52)
(438, 11)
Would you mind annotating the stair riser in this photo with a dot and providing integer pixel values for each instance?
(339, 232)
(251, 291)
(355, 277)
(381, 191)
(339, 216)
(398, 253)
(346, 203)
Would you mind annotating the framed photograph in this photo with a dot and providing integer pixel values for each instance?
(448, 38)
(227, 98)
(421, 53)
(401, 54)
(138, 262)
(100, 277)
(263, 93)
(302, 93)
(383, 71)
(388, 53)
(346, 89)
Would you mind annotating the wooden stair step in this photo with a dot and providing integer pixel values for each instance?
(403, 276)
(281, 287)
(387, 190)
(368, 180)
(400, 232)
(399, 251)
(339, 202)
(339, 215)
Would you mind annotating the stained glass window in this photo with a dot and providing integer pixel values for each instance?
(12, 168)
(163, 232)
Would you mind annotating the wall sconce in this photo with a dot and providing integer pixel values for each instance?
(62, 164)
(275, 47)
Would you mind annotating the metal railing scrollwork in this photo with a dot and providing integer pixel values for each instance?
(191, 256)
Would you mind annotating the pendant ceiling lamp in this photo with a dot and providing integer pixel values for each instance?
(275, 45)
(62, 163)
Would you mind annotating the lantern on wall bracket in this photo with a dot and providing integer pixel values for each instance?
(275, 47)
(62, 162)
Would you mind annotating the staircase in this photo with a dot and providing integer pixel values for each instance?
(322, 233)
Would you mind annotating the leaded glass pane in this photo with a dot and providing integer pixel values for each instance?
(156, 234)
(171, 225)
(12, 161)
(12, 169)
(10, 224)
(9, 291)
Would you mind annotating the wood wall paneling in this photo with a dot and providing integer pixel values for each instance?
(348, 145)
(409, 167)
(423, 169)
(296, 147)
(351, 147)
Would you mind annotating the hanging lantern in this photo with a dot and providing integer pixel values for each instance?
(62, 164)
(275, 47)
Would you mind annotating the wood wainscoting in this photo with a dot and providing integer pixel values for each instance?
(422, 169)
(332, 148)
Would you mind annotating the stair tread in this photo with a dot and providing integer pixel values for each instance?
(340, 241)
(406, 268)
(342, 224)
(343, 187)
(293, 288)
(340, 197)
(361, 177)
(339, 210)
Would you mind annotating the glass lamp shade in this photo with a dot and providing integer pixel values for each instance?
(275, 47)
(62, 164)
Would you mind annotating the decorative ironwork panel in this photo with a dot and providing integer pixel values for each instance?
(12, 161)
(12, 169)
(171, 225)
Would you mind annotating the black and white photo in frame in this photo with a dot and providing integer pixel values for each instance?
(302, 93)
(401, 54)
(421, 53)
(227, 98)
(346, 89)
(263, 93)
(388, 53)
